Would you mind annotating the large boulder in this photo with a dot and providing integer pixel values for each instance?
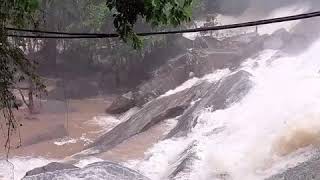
(97, 171)
(51, 167)
(121, 104)
(152, 113)
(218, 94)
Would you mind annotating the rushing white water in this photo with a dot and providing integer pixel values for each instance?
(274, 126)
(252, 15)
(212, 77)
(17, 167)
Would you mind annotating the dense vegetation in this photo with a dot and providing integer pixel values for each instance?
(14, 67)
(19, 57)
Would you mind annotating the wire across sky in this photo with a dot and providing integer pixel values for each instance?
(66, 35)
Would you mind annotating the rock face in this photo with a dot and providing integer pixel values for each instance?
(168, 76)
(211, 55)
(220, 94)
(51, 167)
(185, 103)
(199, 62)
(309, 170)
(97, 171)
(152, 113)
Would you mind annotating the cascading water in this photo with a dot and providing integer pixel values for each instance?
(274, 126)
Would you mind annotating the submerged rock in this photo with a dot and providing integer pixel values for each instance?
(51, 167)
(96, 171)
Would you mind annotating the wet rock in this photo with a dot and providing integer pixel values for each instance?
(151, 114)
(184, 163)
(168, 76)
(97, 171)
(218, 96)
(309, 170)
(199, 62)
(178, 70)
(51, 167)
(121, 104)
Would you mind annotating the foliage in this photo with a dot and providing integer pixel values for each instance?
(155, 12)
(14, 67)
(83, 16)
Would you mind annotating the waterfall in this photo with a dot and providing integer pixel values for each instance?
(275, 126)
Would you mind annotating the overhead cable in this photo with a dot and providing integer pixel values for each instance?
(66, 35)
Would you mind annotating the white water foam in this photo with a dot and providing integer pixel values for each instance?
(261, 134)
(64, 141)
(107, 122)
(16, 167)
(186, 85)
(247, 16)
(212, 77)
(283, 12)
(87, 160)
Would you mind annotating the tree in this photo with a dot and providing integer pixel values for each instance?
(156, 12)
(15, 67)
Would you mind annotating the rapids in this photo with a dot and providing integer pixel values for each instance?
(278, 119)
(274, 127)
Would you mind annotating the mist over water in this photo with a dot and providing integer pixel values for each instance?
(237, 7)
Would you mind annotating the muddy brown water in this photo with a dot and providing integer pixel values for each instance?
(41, 132)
